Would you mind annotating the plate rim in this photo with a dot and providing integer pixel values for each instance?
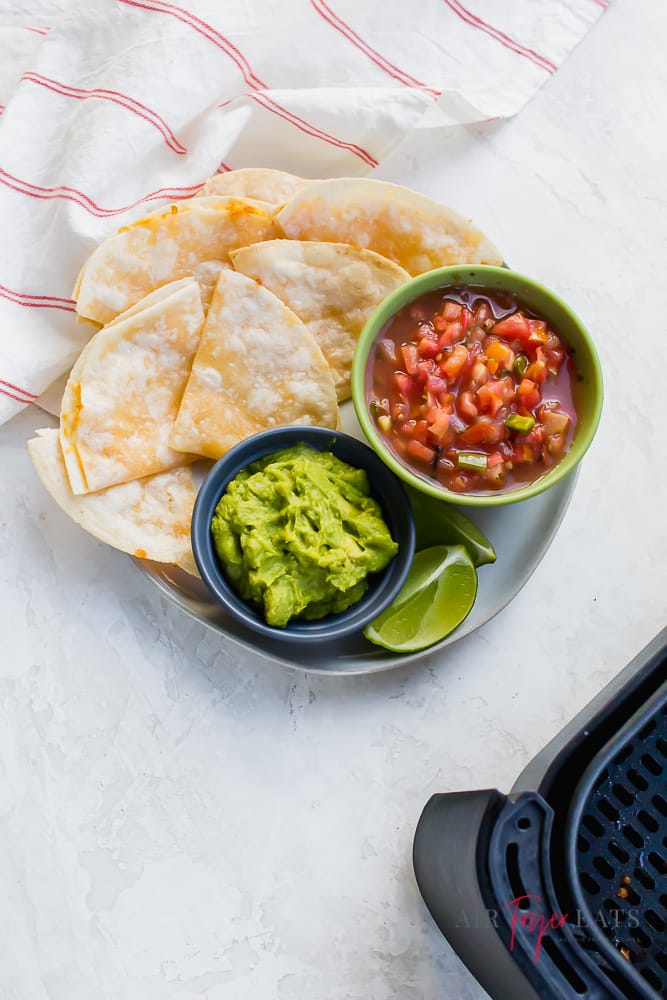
(387, 661)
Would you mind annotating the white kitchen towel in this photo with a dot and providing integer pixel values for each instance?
(110, 107)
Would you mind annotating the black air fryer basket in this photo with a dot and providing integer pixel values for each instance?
(558, 891)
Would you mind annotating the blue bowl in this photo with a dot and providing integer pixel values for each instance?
(385, 487)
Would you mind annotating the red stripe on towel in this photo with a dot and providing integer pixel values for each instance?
(72, 194)
(6, 392)
(500, 36)
(384, 64)
(303, 126)
(23, 392)
(36, 301)
(123, 100)
(253, 81)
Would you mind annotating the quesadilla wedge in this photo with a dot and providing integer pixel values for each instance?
(257, 366)
(123, 393)
(416, 232)
(272, 186)
(206, 276)
(164, 246)
(148, 517)
(332, 287)
(152, 299)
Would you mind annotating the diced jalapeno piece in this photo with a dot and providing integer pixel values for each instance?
(520, 364)
(472, 460)
(515, 422)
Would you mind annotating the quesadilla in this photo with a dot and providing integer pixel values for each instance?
(332, 287)
(123, 393)
(148, 517)
(257, 366)
(417, 233)
(164, 246)
(272, 186)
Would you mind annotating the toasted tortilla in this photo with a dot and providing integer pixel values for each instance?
(257, 366)
(164, 246)
(408, 228)
(272, 186)
(332, 287)
(206, 276)
(152, 299)
(149, 517)
(123, 394)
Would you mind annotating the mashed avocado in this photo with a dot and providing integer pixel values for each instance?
(298, 533)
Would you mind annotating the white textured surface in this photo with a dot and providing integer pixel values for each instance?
(178, 822)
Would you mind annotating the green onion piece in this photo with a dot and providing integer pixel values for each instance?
(472, 460)
(520, 364)
(515, 422)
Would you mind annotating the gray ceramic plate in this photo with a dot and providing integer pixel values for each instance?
(521, 533)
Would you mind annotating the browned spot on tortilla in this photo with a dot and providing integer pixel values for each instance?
(239, 206)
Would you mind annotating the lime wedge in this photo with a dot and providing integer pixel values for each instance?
(437, 595)
(438, 523)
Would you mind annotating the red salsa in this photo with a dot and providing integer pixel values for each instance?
(472, 390)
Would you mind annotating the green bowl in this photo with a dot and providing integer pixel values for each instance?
(541, 301)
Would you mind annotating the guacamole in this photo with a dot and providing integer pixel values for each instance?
(298, 533)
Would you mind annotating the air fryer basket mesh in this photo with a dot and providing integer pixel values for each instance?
(621, 849)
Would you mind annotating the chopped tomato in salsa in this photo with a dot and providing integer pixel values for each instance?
(472, 390)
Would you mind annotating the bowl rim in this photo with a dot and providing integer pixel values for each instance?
(260, 445)
(462, 274)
